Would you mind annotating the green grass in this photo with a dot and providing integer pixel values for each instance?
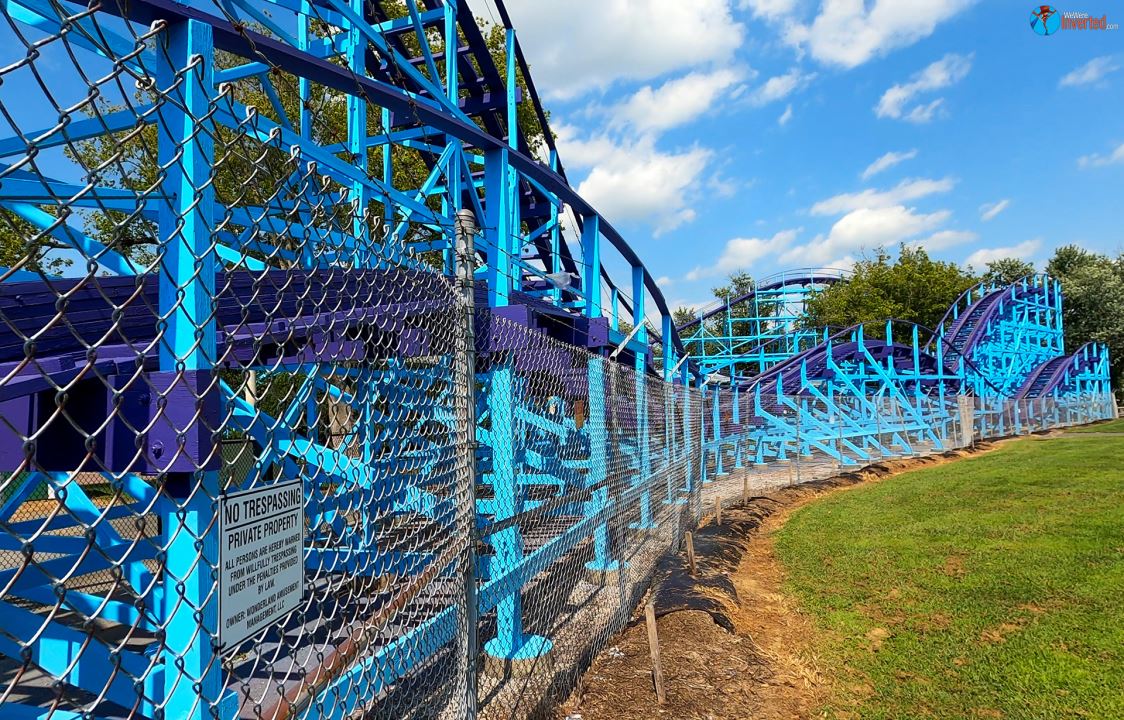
(1111, 426)
(988, 587)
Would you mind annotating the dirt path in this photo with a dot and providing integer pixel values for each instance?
(764, 669)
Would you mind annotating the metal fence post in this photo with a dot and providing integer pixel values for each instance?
(466, 268)
(965, 406)
(799, 445)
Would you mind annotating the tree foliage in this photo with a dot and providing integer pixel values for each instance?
(23, 246)
(682, 315)
(913, 287)
(1005, 271)
(739, 283)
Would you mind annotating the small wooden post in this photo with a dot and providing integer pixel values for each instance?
(718, 510)
(690, 550)
(654, 648)
(745, 490)
(251, 391)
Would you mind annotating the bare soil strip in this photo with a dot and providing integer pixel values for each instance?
(738, 647)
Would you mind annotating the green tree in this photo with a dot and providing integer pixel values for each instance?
(23, 247)
(913, 287)
(1093, 304)
(739, 283)
(1005, 271)
(1071, 258)
(682, 315)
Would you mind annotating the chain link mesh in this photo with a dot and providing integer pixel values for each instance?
(260, 457)
(592, 477)
(204, 307)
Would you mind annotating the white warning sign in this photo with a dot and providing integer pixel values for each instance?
(261, 558)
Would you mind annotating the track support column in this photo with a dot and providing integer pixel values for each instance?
(598, 479)
(192, 673)
(643, 441)
(511, 651)
(687, 443)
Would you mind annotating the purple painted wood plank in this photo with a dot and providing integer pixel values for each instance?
(157, 422)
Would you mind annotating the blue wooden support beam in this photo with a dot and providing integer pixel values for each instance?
(422, 109)
(640, 388)
(186, 294)
(591, 259)
(59, 229)
(498, 228)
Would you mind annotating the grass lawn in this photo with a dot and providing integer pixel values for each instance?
(1113, 426)
(991, 587)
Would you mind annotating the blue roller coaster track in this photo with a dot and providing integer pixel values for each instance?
(747, 334)
(996, 344)
(130, 367)
(260, 294)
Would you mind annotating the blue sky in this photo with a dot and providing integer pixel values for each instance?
(760, 135)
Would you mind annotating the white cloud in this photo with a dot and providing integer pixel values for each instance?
(924, 113)
(983, 256)
(988, 211)
(664, 282)
(887, 161)
(844, 263)
(725, 187)
(676, 102)
(850, 32)
(693, 305)
(580, 45)
(949, 70)
(771, 9)
(1091, 72)
(741, 253)
(779, 87)
(1097, 160)
(865, 228)
(785, 116)
(944, 239)
(632, 180)
(629, 177)
(867, 199)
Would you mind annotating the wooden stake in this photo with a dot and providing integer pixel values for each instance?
(654, 648)
(252, 388)
(745, 490)
(718, 510)
(690, 551)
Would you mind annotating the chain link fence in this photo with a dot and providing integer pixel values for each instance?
(815, 451)
(235, 436)
(592, 476)
(261, 459)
